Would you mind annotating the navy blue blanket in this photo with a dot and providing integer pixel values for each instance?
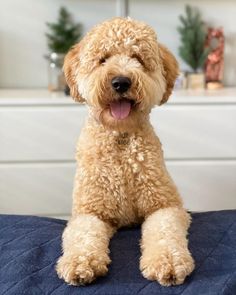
(30, 246)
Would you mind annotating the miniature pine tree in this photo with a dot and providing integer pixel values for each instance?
(64, 33)
(193, 36)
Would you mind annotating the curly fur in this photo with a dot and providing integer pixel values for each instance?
(121, 177)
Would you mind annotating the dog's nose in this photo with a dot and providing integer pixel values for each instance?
(121, 84)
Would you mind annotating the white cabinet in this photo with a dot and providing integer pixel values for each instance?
(38, 134)
(197, 131)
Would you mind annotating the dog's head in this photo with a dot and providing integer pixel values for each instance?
(121, 71)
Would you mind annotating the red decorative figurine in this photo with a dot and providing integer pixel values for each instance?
(215, 60)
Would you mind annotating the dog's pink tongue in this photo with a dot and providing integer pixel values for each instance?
(120, 109)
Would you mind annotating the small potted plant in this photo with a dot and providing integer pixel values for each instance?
(61, 36)
(193, 49)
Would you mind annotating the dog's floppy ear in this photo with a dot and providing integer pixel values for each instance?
(71, 64)
(171, 71)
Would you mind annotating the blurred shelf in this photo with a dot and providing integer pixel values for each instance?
(44, 97)
(33, 97)
(220, 96)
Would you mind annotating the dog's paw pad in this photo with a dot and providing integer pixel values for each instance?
(168, 269)
(80, 270)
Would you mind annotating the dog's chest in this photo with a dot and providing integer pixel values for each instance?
(116, 171)
(128, 154)
(133, 167)
(130, 160)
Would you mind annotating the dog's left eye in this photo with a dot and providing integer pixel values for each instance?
(138, 58)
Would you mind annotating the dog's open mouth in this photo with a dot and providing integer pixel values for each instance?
(121, 108)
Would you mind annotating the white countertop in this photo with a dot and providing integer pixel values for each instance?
(33, 97)
(221, 96)
(44, 97)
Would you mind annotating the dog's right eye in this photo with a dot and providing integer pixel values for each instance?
(102, 60)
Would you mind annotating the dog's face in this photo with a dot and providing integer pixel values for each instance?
(121, 71)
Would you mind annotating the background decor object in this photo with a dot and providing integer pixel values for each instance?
(193, 49)
(61, 36)
(56, 80)
(215, 60)
(196, 80)
(181, 81)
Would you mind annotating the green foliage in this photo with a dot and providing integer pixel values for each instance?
(193, 36)
(64, 33)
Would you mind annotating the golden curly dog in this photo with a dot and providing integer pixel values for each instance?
(121, 71)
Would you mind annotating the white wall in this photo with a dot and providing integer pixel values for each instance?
(22, 28)
(22, 36)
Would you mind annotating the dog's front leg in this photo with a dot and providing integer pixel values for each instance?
(165, 254)
(85, 250)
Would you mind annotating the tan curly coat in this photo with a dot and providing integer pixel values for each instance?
(121, 176)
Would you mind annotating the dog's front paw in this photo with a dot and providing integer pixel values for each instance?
(168, 267)
(78, 269)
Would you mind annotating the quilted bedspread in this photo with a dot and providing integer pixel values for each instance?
(30, 246)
